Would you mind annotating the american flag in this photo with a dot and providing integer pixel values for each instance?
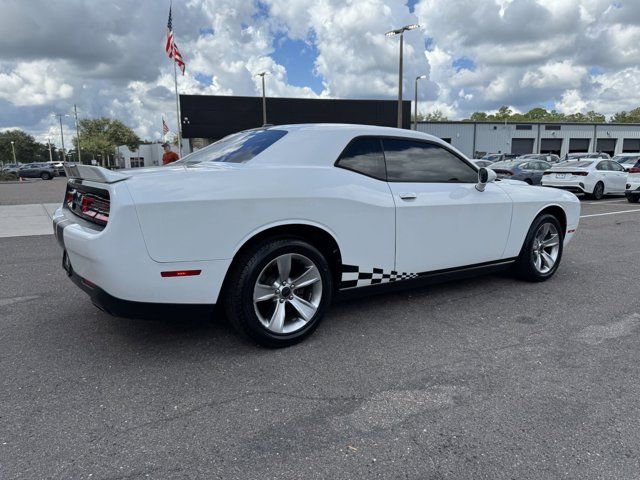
(171, 48)
(165, 128)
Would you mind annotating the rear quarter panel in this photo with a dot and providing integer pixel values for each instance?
(207, 214)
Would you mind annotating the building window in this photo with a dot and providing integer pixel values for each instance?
(524, 127)
(552, 127)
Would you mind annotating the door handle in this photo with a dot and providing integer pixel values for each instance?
(408, 196)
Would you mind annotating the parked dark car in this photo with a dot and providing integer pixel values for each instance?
(529, 171)
(44, 171)
(10, 168)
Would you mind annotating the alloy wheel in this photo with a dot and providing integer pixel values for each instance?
(546, 247)
(287, 293)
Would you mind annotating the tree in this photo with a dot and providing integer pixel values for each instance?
(538, 114)
(26, 148)
(435, 116)
(632, 116)
(101, 136)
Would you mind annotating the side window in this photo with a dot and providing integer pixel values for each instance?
(544, 166)
(615, 166)
(364, 155)
(601, 166)
(416, 161)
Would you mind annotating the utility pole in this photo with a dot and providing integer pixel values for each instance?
(400, 31)
(60, 115)
(264, 98)
(50, 154)
(75, 112)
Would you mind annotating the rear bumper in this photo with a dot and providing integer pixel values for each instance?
(570, 186)
(119, 271)
(138, 310)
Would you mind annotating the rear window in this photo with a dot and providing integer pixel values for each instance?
(237, 148)
(579, 164)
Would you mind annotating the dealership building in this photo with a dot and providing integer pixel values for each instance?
(475, 139)
(207, 118)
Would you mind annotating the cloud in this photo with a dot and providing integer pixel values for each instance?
(108, 58)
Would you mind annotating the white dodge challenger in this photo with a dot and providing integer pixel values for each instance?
(272, 222)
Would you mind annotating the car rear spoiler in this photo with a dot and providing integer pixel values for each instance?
(94, 174)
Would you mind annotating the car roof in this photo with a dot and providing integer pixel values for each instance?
(323, 142)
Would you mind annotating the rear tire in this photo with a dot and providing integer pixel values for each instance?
(598, 192)
(542, 250)
(261, 298)
(45, 176)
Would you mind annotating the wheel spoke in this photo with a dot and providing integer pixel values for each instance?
(537, 260)
(309, 277)
(545, 231)
(304, 308)
(552, 241)
(277, 319)
(284, 267)
(547, 260)
(263, 292)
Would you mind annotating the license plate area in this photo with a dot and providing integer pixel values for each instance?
(561, 175)
(66, 263)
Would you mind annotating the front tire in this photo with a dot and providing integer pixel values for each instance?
(542, 250)
(278, 291)
(633, 198)
(45, 176)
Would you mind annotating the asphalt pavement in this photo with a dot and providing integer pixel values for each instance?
(484, 378)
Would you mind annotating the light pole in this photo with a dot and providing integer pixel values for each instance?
(400, 31)
(50, 154)
(264, 98)
(60, 115)
(13, 149)
(75, 112)
(415, 103)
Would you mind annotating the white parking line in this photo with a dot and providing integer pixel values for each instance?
(603, 202)
(609, 213)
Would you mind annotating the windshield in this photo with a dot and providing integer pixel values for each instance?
(237, 148)
(491, 157)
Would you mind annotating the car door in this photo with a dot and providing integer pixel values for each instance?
(603, 174)
(619, 176)
(442, 220)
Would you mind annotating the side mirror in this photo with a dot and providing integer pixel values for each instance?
(485, 175)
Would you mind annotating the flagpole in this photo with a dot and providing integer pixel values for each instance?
(175, 81)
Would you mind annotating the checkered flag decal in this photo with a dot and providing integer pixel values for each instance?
(353, 277)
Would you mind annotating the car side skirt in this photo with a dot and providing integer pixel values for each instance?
(378, 281)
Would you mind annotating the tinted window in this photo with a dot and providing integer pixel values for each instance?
(543, 166)
(602, 166)
(237, 148)
(415, 161)
(364, 155)
(616, 167)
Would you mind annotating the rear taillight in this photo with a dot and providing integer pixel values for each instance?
(546, 173)
(503, 172)
(634, 170)
(580, 174)
(95, 209)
